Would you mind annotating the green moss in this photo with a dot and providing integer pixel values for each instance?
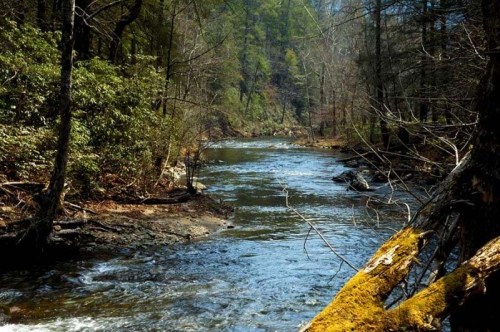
(435, 302)
(359, 304)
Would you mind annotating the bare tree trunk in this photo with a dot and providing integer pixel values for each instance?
(481, 224)
(432, 61)
(82, 31)
(41, 15)
(20, 13)
(41, 228)
(125, 20)
(159, 39)
(308, 102)
(250, 92)
(169, 65)
(244, 58)
(283, 110)
(379, 87)
(424, 110)
(334, 113)
(444, 75)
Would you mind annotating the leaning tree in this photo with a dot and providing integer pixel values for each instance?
(40, 227)
(462, 214)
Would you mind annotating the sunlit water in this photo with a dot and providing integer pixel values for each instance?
(255, 277)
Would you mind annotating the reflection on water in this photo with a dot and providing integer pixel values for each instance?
(256, 277)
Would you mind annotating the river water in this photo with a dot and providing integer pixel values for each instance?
(260, 276)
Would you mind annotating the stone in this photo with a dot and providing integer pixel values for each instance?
(355, 180)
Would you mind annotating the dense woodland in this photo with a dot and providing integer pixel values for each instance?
(153, 77)
(123, 88)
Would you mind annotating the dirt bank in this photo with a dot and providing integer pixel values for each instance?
(128, 226)
(108, 226)
(324, 143)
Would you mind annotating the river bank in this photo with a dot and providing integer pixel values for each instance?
(108, 226)
(398, 163)
(132, 226)
(324, 143)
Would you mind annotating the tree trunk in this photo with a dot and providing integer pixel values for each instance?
(38, 232)
(444, 74)
(465, 209)
(283, 110)
(378, 72)
(41, 15)
(83, 35)
(125, 21)
(432, 61)
(169, 64)
(244, 58)
(334, 113)
(424, 109)
(20, 13)
(159, 39)
(56, 7)
(481, 224)
(308, 102)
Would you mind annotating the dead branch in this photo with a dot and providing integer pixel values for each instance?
(312, 226)
(167, 200)
(26, 186)
(77, 207)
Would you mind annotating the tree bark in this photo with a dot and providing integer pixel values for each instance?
(20, 13)
(83, 34)
(481, 224)
(40, 229)
(378, 73)
(125, 21)
(169, 65)
(41, 15)
(424, 110)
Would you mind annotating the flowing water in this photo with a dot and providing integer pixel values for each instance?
(260, 276)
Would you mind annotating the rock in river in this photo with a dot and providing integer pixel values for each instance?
(354, 179)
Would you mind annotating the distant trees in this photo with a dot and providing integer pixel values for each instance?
(397, 72)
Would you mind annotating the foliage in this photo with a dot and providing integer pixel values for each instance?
(29, 75)
(115, 130)
(188, 70)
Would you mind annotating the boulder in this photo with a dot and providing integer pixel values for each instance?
(199, 186)
(354, 179)
(352, 163)
(359, 183)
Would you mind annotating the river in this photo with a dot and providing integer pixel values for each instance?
(260, 276)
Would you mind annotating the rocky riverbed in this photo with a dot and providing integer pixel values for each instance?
(130, 226)
(108, 226)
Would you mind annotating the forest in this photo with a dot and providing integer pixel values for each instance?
(151, 78)
(101, 100)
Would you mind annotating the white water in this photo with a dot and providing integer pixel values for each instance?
(255, 277)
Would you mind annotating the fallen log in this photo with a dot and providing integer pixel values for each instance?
(167, 200)
(359, 305)
(80, 208)
(26, 186)
(69, 223)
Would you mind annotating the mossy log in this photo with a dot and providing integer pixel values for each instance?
(359, 305)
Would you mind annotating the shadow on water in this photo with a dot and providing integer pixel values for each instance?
(255, 277)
